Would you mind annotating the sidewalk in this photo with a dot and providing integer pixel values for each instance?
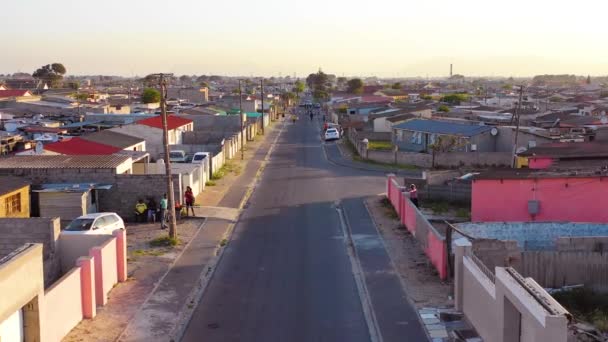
(163, 282)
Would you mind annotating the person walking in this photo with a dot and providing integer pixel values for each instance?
(163, 212)
(189, 199)
(414, 195)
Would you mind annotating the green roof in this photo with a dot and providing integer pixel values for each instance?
(253, 114)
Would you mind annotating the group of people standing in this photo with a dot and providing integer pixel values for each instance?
(150, 212)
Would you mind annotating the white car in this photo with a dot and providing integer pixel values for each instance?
(332, 134)
(199, 157)
(95, 224)
(178, 156)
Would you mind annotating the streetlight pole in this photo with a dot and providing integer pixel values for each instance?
(242, 121)
(262, 91)
(169, 177)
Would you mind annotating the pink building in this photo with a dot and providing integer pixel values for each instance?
(525, 195)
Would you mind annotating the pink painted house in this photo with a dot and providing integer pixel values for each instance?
(529, 195)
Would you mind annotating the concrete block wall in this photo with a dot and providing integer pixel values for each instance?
(128, 189)
(15, 232)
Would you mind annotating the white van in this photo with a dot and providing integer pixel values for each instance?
(200, 157)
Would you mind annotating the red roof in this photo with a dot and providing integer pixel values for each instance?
(78, 146)
(173, 122)
(14, 93)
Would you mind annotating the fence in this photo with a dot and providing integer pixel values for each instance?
(553, 269)
(432, 242)
(450, 192)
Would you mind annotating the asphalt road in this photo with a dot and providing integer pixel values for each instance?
(286, 274)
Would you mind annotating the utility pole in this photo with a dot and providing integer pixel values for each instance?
(242, 120)
(170, 193)
(262, 90)
(517, 110)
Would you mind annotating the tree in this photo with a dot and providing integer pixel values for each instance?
(204, 84)
(443, 108)
(342, 81)
(355, 86)
(507, 87)
(396, 86)
(74, 85)
(455, 99)
(150, 95)
(426, 97)
(444, 144)
(52, 74)
(185, 79)
(80, 97)
(588, 79)
(320, 95)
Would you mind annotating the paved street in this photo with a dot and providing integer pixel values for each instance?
(286, 274)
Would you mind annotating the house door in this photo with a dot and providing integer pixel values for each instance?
(11, 330)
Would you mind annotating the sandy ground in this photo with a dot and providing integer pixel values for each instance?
(420, 279)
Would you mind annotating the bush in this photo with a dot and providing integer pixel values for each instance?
(164, 241)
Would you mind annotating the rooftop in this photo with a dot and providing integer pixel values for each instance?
(63, 162)
(533, 235)
(595, 149)
(9, 184)
(113, 138)
(79, 146)
(173, 122)
(14, 93)
(443, 127)
(536, 174)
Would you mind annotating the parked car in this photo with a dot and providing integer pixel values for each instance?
(178, 156)
(332, 134)
(199, 157)
(95, 224)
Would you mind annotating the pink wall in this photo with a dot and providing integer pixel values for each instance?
(106, 274)
(436, 251)
(62, 306)
(408, 215)
(539, 163)
(561, 199)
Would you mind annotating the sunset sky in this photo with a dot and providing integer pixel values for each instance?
(270, 37)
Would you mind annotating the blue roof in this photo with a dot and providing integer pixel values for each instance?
(442, 127)
(81, 124)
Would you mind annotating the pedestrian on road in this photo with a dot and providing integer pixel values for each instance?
(189, 199)
(414, 195)
(310, 116)
(163, 212)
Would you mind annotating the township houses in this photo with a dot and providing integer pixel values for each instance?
(151, 130)
(385, 118)
(418, 135)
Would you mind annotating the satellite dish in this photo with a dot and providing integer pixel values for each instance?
(604, 120)
(494, 131)
(39, 149)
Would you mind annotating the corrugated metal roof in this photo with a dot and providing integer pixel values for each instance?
(78, 146)
(63, 162)
(112, 138)
(10, 184)
(442, 127)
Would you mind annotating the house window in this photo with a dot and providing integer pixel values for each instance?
(13, 204)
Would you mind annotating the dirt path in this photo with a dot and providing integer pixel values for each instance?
(417, 274)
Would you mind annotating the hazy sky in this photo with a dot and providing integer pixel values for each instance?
(242, 37)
